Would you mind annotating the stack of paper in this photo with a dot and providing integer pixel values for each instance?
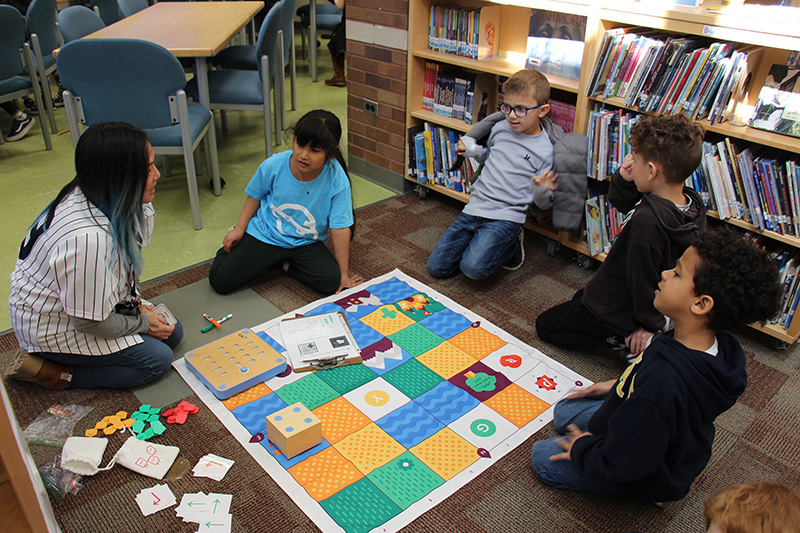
(212, 466)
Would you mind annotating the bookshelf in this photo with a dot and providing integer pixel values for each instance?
(775, 29)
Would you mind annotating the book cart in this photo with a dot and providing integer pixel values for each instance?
(776, 37)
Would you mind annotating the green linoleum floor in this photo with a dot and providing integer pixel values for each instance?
(32, 176)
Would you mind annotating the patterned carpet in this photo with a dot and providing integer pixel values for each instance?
(758, 439)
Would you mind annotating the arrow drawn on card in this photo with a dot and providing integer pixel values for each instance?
(158, 500)
(209, 463)
(216, 502)
(195, 503)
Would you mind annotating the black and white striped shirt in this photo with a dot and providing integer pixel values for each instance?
(72, 270)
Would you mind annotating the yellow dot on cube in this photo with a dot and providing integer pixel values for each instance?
(294, 429)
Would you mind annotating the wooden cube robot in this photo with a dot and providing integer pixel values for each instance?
(294, 430)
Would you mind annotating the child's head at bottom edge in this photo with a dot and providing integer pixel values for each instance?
(764, 507)
(722, 280)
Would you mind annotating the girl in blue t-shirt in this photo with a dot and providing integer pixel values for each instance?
(293, 201)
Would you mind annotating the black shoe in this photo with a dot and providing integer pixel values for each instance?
(518, 258)
(19, 127)
(30, 106)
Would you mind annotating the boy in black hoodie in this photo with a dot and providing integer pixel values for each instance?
(615, 309)
(648, 435)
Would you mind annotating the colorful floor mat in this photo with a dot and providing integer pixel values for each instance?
(441, 394)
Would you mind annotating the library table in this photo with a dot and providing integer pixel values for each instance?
(188, 29)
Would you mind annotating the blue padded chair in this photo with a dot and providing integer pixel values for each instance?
(78, 21)
(249, 89)
(40, 25)
(17, 78)
(328, 16)
(141, 83)
(245, 57)
(129, 7)
(108, 10)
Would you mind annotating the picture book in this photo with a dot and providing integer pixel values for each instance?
(555, 43)
(778, 105)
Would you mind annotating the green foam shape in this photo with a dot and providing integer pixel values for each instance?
(157, 427)
(138, 426)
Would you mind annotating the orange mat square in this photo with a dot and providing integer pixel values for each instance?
(387, 319)
(446, 360)
(477, 342)
(369, 448)
(325, 474)
(250, 395)
(339, 419)
(517, 405)
(446, 453)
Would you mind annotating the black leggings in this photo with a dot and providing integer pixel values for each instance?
(312, 265)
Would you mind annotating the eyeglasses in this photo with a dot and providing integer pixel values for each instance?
(520, 111)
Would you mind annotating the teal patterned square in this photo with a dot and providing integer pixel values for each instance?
(310, 390)
(346, 378)
(412, 378)
(416, 339)
(405, 479)
(349, 507)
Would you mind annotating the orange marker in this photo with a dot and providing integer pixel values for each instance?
(211, 319)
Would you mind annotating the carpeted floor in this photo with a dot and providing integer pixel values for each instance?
(758, 439)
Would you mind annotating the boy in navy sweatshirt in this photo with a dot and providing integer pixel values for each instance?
(648, 435)
(488, 232)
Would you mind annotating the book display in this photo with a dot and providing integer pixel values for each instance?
(709, 62)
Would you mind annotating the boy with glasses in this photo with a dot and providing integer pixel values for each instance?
(517, 170)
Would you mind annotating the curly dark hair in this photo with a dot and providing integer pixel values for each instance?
(741, 278)
(672, 141)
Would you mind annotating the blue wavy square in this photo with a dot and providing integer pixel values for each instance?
(253, 415)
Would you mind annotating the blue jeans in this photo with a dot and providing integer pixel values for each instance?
(563, 474)
(132, 367)
(476, 245)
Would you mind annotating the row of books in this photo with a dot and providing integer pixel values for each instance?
(563, 114)
(603, 223)
(669, 74)
(762, 190)
(608, 135)
(457, 30)
(432, 154)
(788, 261)
(446, 94)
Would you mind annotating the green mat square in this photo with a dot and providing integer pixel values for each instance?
(405, 479)
(346, 378)
(418, 308)
(347, 507)
(413, 378)
(416, 339)
(310, 390)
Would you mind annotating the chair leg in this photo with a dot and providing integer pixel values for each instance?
(197, 163)
(212, 158)
(27, 56)
(293, 72)
(223, 116)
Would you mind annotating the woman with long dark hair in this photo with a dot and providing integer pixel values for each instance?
(75, 305)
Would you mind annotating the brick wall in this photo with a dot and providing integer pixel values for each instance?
(378, 73)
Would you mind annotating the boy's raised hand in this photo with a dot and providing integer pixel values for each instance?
(546, 180)
(625, 168)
